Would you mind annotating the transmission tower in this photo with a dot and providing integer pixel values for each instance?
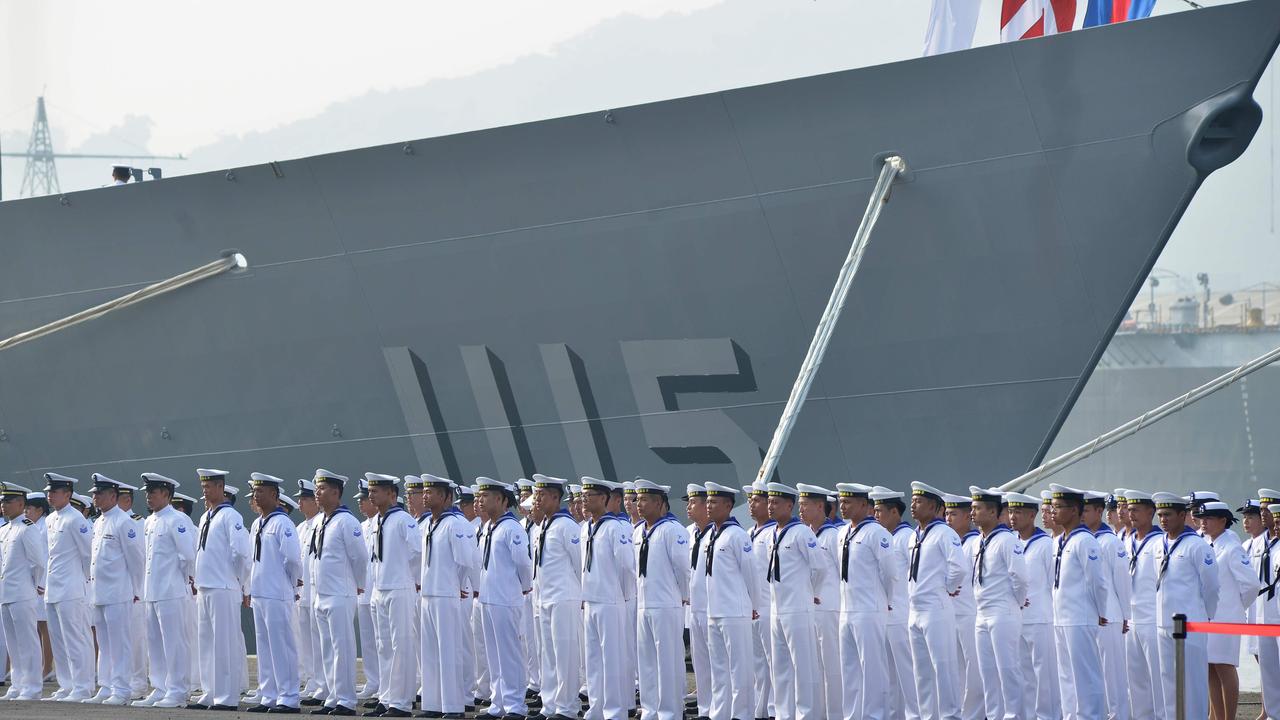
(41, 176)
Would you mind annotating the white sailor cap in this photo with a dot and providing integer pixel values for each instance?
(1120, 494)
(547, 481)
(13, 490)
(156, 481)
(412, 483)
(646, 487)
(257, 479)
(1093, 497)
(991, 495)
(956, 501)
(1169, 500)
(780, 490)
(527, 504)
(328, 476)
(1250, 507)
(525, 483)
(484, 483)
(590, 483)
(883, 495)
(1203, 496)
(1063, 492)
(288, 502)
(853, 490)
(179, 497)
(36, 495)
(1046, 496)
(1267, 496)
(929, 491)
(629, 488)
(1274, 508)
(54, 481)
(693, 490)
(1019, 500)
(435, 481)
(814, 492)
(124, 489)
(306, 489)
(211, 474)
(362, 489)
(80, 501)
(1135, 497)
(715, 489)
(757, 488)
(466, 493)
(1216, 508)
(231, 490)
(373, 480)
(102, 482)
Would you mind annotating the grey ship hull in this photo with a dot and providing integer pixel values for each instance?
(632, 293)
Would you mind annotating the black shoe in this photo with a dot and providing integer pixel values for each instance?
(258, 708)
(470, 708)
(326, 710)
(371, 703)
(342, 710)
(539, 716)
(513, 716)
(312, 702)
(195, 706)
(453, 716)
(284, 710)
(396, 712)
(224, 708)
(482, 702)
(430, 714)
(375, 712)
(632, 713)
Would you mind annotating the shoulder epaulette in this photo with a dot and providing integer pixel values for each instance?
(28, 521)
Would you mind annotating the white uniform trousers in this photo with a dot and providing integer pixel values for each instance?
(369, 656)
(335, 623)
(1080, 672)
(277, 652)
(629, 630)
(466, 652)
(933, 658)
(115, 648)
(605, 665)
(1142, 656)
(560, 637)
(998, 642)
(442, 664)
(26, 654)
(393, 650)
(761, 643)
(138, 618)
(732, 687)
(1115, 675)
(482, 688)
(532, 644)
(503, 648)
(795, 666)
(829, 702)
(660, 663)
(1269, 668)
(189, 614)
(862, 662)
(1196, 654)
(218, 624)
(701, 657)
(1042, 695)
(312, 666)
(167, 644)
(904, 701)
(242, 659)
(72, 650)
(968, 677)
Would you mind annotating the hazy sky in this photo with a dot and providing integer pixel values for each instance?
(235, 82)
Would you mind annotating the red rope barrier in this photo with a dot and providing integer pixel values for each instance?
(1234, 629)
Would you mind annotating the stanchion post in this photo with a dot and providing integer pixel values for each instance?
(1180, 665)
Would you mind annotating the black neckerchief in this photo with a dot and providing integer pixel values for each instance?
(917, 551)
(488, 538)
(848, 539)
(262, 525)
(775, 559)
(1264, 572)
(377, 550)
(208, 520)
(317, 540)
(697, 544)
(1168, 552)
(592, 529)
(644, 542)
(1062, 545)
(435, 523)
(979, 564)
(1135, 549)
(542, 537)
(711, 546)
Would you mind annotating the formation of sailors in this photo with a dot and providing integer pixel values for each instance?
(551, 600)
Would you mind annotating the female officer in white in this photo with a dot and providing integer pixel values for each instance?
(662, 589)
(1186, 584)
(273, 584)
(1238, 588)
(338, 568)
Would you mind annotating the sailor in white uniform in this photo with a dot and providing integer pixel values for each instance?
(137, 614)
(797, 571)
(365, 623)
(557, 590)
(311, 670)
(224, 554)
(999, 580)
(339, 570)
(506, 576)
(1264, 558)
(933, 579)
(958, 509)
(394, 543)
(448, 554)
(1115, 565)
(1141, 647)
(169, 549)
(761, 530)
(1237, 589)
(696, 614)
(1079, 607)
(1037, 653)
(529, 628)
(903, 700)
(24, 557)
(662, 572)
(467, 640)
(37, 511)
(115, 582)
(482, 687)
(1186, 584)
(632, 517)
(608, 576)
(817, 505)
(868, 571)
(66, 592)
(273, 584)
(733, 594)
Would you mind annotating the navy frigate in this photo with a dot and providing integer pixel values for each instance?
(630, 292)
